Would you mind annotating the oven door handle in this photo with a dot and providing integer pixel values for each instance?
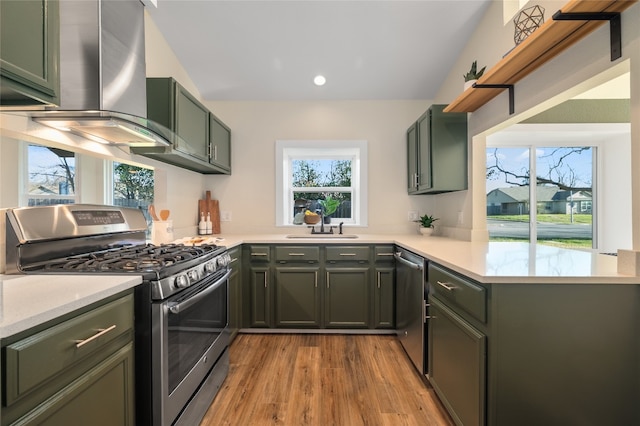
(177, 307)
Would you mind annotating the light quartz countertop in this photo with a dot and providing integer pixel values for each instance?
(485, 262)
(30, 300)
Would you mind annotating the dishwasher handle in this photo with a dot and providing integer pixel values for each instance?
(399, 258)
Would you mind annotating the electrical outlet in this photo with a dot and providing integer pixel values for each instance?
(225, 216)
(412, 215)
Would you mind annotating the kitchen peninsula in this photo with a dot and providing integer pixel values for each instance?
(518, 333)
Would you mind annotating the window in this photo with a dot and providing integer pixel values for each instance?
(556, 210)
(50, 177)
(322, 176)
(133, 186)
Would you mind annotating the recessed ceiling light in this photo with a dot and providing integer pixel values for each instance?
(319, 80)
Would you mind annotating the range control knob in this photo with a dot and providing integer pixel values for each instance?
(182, 281)
(210, 266)
(194, 275)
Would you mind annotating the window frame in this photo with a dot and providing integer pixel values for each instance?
(289, 150)
(23, 176)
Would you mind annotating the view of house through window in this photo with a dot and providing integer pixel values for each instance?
(558, 210)
(50, 177)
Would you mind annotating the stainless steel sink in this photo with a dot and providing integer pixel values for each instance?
(322, 236)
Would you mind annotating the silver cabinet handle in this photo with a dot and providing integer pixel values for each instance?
(258, 254)
(101, 332)
(385, 254)
(215, 152)
(296, 254)
(316, 273)
(233, 259)
(266, 278)
(379, 278)
(327, 279)
(347, 254)
(447, 286)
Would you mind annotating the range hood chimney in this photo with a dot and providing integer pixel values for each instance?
(103, 75)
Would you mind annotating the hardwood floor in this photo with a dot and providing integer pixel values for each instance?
(316, 379)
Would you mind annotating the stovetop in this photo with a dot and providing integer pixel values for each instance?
(138, 258)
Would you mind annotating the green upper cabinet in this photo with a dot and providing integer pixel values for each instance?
(29, 52)
(219, 144)
(203, 143)
(437, 152)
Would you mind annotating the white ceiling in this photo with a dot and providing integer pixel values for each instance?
(271, 50)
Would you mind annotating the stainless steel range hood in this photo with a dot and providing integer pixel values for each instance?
(103, 75)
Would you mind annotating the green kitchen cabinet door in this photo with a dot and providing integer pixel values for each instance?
(260, 298)
(219, 144)
(384, 297)
(346, 300)
(297, 298)
(412, 159)
(103, 396)
(192, 124)
(457, 364)
(29, 52)
(437, 152)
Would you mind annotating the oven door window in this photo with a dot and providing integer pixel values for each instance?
(200, 320)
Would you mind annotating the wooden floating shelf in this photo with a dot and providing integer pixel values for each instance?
(546, 42)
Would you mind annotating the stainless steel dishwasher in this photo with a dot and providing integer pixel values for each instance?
(411, 306)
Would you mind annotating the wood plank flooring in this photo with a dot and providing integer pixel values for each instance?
(317, 379)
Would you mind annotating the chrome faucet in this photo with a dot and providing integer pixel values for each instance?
(322, 231)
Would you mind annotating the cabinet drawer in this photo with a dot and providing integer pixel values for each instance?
(297, 254)
(348, 254)
(462, 293)
(384, 253)
(259, 254)
(36, 359)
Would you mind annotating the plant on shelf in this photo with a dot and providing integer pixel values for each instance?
(473, 74)
(426, 221)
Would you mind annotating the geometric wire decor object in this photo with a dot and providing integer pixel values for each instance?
(526, 22)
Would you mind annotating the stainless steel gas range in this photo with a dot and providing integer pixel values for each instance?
(181, 309)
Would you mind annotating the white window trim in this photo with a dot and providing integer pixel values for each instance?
(285, 149)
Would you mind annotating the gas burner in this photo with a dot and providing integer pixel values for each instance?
(140, 258)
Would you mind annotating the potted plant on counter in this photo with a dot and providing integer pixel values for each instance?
(426, 224)
(473, 75)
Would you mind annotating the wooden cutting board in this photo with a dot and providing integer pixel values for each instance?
(213, 208)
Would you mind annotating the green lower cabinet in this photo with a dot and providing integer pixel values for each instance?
(77, 371)
(260, 304)
(384, 297)
(297, 298)
(102, 396)
(346, 301)
(457, 365)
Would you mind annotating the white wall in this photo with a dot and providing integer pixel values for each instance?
(249, 193)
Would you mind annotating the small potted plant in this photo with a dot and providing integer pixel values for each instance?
(426, 224)
(329, 205)
(473, 75)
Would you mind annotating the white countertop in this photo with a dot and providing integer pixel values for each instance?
(30, 300)
(494, 262)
